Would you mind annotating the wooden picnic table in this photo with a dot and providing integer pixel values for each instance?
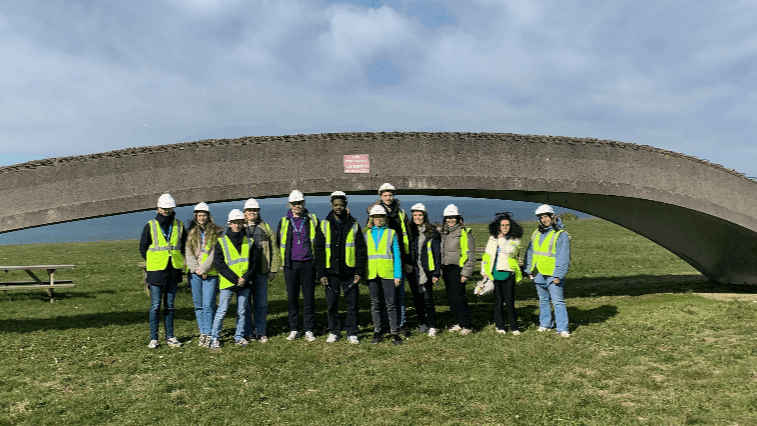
(50, 284)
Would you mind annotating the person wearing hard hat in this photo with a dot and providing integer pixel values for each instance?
(547, 262)
(201, 272)
(500, 264)
(384, 274)
(237, 263)
(270, 261)
(162, 247)
(340, 255)
(458, 260)
(399, 222)
(296, 233)
(427, 262)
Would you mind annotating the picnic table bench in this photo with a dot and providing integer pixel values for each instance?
(50, 284)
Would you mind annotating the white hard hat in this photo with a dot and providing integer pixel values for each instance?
(418, 208)
(296, 196)
(236, 214)
(377, 210)
(251, 204)
(202, 207)
(386, 187)
(166, 201)
(451, 210)
(544, 209)
(338, 194)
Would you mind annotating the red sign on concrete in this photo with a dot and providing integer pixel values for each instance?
(357, 163)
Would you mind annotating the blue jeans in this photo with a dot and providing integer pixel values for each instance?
(165, 293)
(204, 294)
(223, 305)
(257, 303)
(548, 290)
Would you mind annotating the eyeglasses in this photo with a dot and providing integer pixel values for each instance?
(297, 203)
(251, 210)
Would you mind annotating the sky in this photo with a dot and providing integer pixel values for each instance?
(81, 77)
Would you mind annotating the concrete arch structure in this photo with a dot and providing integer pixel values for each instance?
(700, 211)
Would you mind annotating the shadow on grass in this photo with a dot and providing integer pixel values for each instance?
(41, 295)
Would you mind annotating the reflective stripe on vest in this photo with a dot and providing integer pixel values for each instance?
(463, 246)
(545, 253)
(381, 258)
(349, 246)
(161, 250)
(285, 230)
(239, 263)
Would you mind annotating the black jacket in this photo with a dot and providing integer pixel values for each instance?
(169, 275)
(338, 242)
(224, 270)
(436, 251)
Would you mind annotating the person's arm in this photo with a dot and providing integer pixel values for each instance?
(275, 260)
(361, 254)
(487, 260)
(562, 262)
(397, 259)
(145, 241)
(528, 260)
(319, 253)
(470, 263)
(192, 261)
(436, 251)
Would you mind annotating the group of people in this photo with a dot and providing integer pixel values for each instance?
(340, 255)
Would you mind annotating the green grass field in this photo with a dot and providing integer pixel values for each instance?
(654, 343)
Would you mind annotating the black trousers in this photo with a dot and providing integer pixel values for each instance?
(458, 302)
(301, 276)
(504, 293)
(342, 285)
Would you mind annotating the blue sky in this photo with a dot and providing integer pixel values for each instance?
(82, 77)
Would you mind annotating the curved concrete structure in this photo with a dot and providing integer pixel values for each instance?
(700, 211)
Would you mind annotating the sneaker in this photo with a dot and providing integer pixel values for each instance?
(293, 335)
(377, 338)
(214, 344)
(243, 342)
(542, 329)
(423, 328)
(455, 327)
(397, 339)
(153, 344)
(564, 334)
(173, 342)
(516, 333)
(500, 331)
(353, 339)
(331, 339)
(465, 331)
(432, 332)
(310, 336)
(263, 339)
(201, 342)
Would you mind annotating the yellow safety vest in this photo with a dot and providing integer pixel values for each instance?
(349, 246)
(205, 253)
(544, 254)
(405, 239)
(161, 250)
(381, 258)
(463, 246)
(313, 220)
(239, 263)
(430, 252)
(488, 263)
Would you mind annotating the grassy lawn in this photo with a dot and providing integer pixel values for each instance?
(654, 343)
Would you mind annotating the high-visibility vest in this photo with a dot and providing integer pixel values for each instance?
(312, 220)
(463, 246)
(430, 252)
(405, 239)
(545, 253)
(489, 266)
(161, 250)
(349, 246)
(239, 263)
(381, 258)
(205, 254)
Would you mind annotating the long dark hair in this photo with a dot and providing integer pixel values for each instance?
(516, 231)
(430, 227)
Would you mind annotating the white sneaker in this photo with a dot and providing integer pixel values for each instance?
(516, 333)
(214, 344)
(243, 342)
(564, 334)
(173, 342)
(465, 331)
(455, 327)
(263, 339)
(310, 336)
(500, 331)
(541, 329)
(423, 328)
(353, 340)
(293, 335)
(432, 332)
(153, 344)
(331, 339)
